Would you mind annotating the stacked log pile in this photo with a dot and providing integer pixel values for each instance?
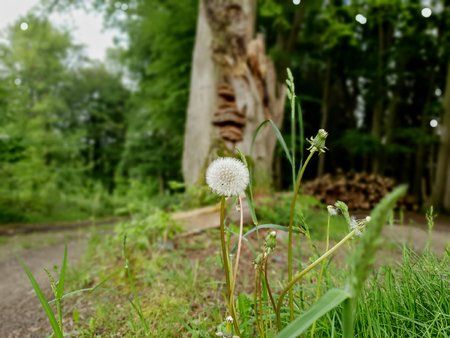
(360, 191)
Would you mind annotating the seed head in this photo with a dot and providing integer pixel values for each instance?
(227, 176)
(355, 226)
(332, 211)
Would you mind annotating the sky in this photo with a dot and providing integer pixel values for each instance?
(86, 28)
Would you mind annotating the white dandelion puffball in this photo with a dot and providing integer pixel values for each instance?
(227, 176)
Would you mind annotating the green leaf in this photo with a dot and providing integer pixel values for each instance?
(249, 191)
(328, 302)
(277, 134)
(45, 305)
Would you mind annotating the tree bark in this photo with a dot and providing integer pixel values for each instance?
(377, 116)
(233, 89)
(325, 110)
(441, 188)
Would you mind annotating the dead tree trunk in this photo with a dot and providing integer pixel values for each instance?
(233, 89)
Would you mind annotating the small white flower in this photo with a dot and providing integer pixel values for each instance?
(227, 176)
(332, 211)
(368, 219)
(229, 319)
(219, 334)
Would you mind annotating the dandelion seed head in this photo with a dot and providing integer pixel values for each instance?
(227, 176)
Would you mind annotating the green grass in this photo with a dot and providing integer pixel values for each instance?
(174, 290)
(178, 284)
(408, 299)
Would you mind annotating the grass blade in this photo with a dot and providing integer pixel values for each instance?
(277, 134)
(45, 305)
(62, 275)
(328, 302)
(249, 191)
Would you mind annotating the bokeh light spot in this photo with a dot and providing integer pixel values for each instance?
(361, 19)
(426, 12)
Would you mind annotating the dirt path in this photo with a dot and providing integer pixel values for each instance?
(21, 314)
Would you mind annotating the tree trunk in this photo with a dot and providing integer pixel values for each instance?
(377, 116)
(441, 188)
(325, 110)
(233, 89)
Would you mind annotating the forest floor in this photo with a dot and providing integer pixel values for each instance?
(20, 312)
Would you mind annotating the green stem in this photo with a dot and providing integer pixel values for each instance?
(258, 324)
(269, 290)
(291, 224)
(238, 254)
(293, 136)
(322, 269)
(226, 265)
(347, 319)
(302, 273)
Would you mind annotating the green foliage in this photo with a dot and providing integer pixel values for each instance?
(161, 63)
(141, 232)
(63, 127)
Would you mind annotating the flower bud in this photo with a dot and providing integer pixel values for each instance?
(271, 241)
(318, 142)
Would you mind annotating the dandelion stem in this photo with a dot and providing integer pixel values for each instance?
(226, 265)
(238, 254)
(291, 224)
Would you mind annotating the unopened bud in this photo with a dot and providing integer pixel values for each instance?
(318, 142)
(271, 241)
